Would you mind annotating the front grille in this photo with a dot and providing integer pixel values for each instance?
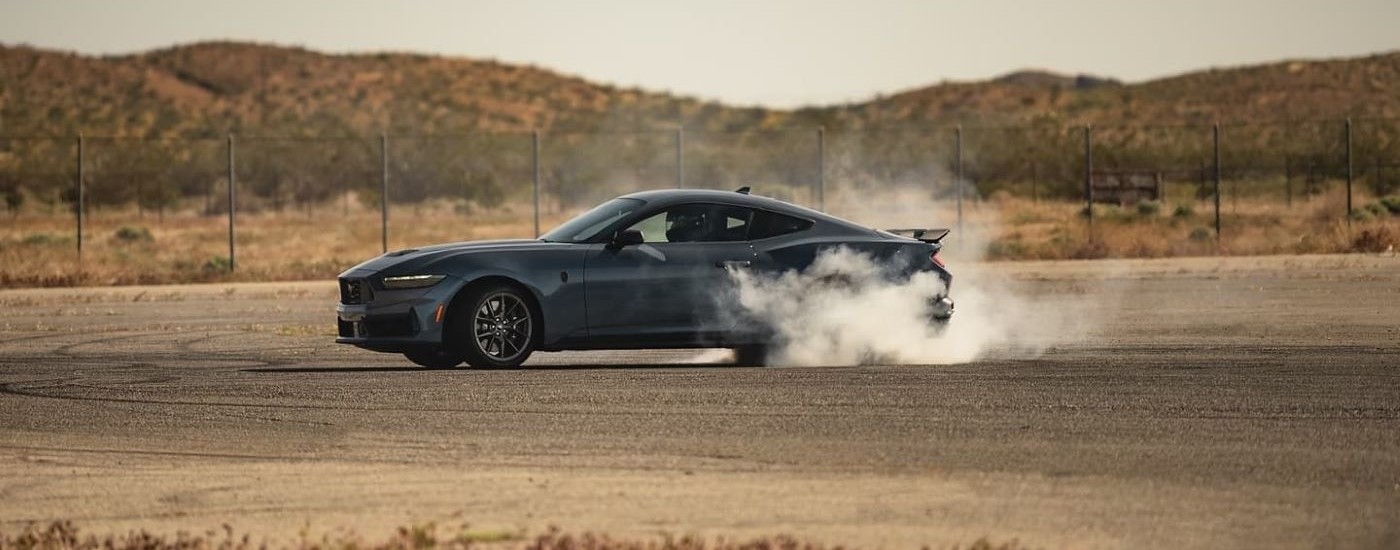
(352, 291)
(389, 326)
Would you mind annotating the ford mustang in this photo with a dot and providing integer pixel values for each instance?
(645, 270)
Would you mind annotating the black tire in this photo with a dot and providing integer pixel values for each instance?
(494, 326)
(434, 358)
(940, 325)
(755, 355)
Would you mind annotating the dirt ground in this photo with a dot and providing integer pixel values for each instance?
(1215, 402)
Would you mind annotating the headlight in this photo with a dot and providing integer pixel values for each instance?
(412, 281)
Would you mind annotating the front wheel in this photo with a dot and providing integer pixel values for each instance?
(434, 358)
(498, 327)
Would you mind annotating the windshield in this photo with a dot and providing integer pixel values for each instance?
(587, 225)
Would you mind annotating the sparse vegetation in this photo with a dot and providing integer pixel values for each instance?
(65, 535)
(41, 251)
(1381, 238)
(1149, 209)
(460, 161)
(133, 234)
(307, 128)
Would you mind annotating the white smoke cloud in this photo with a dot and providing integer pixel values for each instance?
(849, 309)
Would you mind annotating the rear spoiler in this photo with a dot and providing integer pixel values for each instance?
(931, 236)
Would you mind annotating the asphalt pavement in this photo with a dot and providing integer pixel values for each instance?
(1199, 403)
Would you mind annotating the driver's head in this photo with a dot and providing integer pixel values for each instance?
(684, 225)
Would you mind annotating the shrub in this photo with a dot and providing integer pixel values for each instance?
(217, 264)
(1378, 239)
(133, 234)
(1201, 234)
(1391, 203)
(1092, 249)
(46, 239)
(1149, 209)
(1362, 215)
(14, 199)
(1106, 212)
(1183, 211)
(1006, 249)
(1378, 210)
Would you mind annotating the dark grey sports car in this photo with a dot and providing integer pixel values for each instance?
(640, 271)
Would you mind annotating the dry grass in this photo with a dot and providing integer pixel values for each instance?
(1019, 229)
(39, 250)
(64, 535)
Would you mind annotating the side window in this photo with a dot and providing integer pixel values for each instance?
(732, 223)
(769, 224)
(696, 223)
(653, 228)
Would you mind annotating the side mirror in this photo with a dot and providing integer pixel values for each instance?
(628, 237)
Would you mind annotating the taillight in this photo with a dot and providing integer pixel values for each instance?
(936, 260)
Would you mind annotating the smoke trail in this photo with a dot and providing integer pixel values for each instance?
(848, 309)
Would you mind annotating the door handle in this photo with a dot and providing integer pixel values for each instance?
(733, 264)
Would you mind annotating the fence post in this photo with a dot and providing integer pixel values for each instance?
(958, 178)
(1089, 177)
(821, 168)
(680, 157)
(81, 199)
(1349, 170)
(1035, 182)
(384, 192)
(1378, 184)
(1288, 180)
(535, 155)
(232, 202)
(1215, 140)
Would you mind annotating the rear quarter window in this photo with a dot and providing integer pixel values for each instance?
(770, 224)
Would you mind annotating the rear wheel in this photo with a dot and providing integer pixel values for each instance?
(496, 327)
(434, 358)
(755, 355)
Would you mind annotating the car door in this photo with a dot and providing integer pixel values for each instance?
(670, 288)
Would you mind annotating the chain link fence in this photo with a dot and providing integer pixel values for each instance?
(349, 184)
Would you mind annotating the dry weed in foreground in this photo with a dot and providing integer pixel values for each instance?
(64, 535)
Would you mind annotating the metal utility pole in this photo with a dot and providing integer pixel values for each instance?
(384, 192)
(1349, 170)
(81, 202)
(536, 156)
(680, 157)
(958, 177)
(232, 186)
(1215, 135)
(821, 168)
(1089, 176)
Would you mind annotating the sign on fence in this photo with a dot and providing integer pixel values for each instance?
(1126, 187)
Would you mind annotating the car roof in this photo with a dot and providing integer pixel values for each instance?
(676, 196)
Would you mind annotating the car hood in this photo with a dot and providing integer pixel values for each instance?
(410, 260)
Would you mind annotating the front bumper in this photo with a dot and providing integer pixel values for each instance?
(392, 320)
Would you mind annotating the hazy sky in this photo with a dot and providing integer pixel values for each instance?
(777, 52)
